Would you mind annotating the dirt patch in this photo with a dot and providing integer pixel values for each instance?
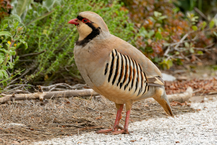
(27, 121)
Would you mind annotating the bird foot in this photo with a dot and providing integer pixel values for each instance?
(104, 131)
(123, 131)
(114, 131)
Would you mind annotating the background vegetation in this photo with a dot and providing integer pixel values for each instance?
(36, 43)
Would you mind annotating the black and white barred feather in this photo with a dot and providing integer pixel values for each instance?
(126, 74)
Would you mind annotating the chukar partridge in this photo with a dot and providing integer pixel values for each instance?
(115, 69)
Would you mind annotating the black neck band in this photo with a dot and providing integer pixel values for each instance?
(93, 34)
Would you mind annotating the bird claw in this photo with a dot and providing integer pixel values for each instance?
(104, 131)
(114, 131)
(123, 131)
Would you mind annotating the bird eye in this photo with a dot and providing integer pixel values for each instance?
(85, 20)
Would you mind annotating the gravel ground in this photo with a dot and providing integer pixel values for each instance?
(199, 128)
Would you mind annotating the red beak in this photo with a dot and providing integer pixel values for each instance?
(73, 21)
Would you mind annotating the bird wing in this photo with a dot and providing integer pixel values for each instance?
(151, 72)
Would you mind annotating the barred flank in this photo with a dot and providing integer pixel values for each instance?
(124, 72)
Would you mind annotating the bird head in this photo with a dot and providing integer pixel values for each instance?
(87, 22)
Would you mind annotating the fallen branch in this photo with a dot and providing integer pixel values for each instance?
(86, 92)
(177, 97)
(181, 97)
(48, 95)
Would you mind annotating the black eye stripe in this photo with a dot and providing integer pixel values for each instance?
(84, 20)
(80, 18)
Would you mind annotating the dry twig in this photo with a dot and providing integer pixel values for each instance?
(48, 95)
(200, 13)
(62, 85)
(26, 71)
(178, 97)
(86, 92)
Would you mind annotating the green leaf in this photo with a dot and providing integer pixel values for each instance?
(157, 14)
(177, 53)
(3, 74)
(21, 6)
(15, 17)
(214, 67)
(5, 33)
(200, 52)
(150, 34)
(5, 51)
(5, 67)
(2, 57)
(142, 32)
(12, 52)
(152, 19)
(11, 65)
(179, 61)
(48, 4)
(187, 44)
(149, 49)
(158, 36)
(22, 41)
(191, 50)
(211, 24)
(162, 17)
(176, 9)
(156, 59)
(194, 28)
(167, 63)
(41, 17)
(204, 25)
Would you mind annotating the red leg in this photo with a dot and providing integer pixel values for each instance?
(117, 120)
(127, 121)
(125, 130)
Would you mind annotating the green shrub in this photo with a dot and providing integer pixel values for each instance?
(11, 37)
(54, 37)
(166, 35)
